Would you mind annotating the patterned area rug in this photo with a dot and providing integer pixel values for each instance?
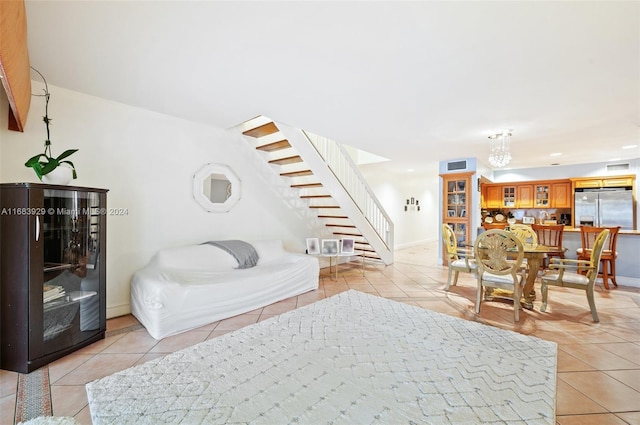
(350, 359)
(33, 398)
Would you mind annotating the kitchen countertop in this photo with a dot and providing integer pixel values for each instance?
(621, 232)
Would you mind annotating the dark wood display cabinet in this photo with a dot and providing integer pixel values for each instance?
(52, 272)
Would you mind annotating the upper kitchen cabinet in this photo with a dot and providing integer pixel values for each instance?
(561, 195)
(492, 196)
(507, 196)
(537, 194)
(602, 182)
(524, 196)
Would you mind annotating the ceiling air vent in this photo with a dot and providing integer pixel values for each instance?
(457, 165)
(618, 167)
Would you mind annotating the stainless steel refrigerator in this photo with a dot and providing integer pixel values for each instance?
(604, 207)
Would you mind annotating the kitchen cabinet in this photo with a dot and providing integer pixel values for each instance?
(509, 196)
(492, 197)
(535, 194)
(602, 182)
(561, 195)
(52, 272)
(542, 199)
(524, 196)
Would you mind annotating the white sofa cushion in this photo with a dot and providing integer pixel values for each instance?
(268, 251)
(196, 258)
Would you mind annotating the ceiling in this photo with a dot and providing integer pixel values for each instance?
(414, 82)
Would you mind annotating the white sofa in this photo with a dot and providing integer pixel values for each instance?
(188, 287)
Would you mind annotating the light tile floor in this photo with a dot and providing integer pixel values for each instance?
(598, 364)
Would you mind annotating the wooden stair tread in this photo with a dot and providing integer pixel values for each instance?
(347, 234)
(275, 146)
(340, 225)
(333, 216)
(297, 173)
(314, 196)
(305, 185)
(365, 249)
(324, 206)
(288, 160)
(263, 130)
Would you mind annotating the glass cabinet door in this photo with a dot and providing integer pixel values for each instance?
(457, 198)
(71, 227)
(460, 230)
(509, 196)
(542, 196)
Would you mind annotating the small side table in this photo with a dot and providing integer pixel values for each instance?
(337, 257)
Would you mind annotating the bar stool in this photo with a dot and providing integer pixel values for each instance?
(609, 254)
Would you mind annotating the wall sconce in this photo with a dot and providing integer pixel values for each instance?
(412, 205)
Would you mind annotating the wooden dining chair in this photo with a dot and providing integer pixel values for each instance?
(458, 259)
(609, 254)
(550, 235)
(499, 255)
(525, 233)
(565, 273)
(494, 225)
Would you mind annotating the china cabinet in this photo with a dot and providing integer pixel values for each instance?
(457, 197)
(52, 272)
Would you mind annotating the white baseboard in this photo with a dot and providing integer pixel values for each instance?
(414, 243)
(117, 311)
(624, 281)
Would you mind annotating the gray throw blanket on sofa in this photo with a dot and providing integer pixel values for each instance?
(242, 251)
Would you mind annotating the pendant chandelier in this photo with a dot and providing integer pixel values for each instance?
(500, 154)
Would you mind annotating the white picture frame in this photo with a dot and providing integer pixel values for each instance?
(330, 246)
(313, 246)
(347, 246)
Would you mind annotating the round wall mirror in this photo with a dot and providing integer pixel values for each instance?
(216, 188)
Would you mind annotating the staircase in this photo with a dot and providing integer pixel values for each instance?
(329, 181)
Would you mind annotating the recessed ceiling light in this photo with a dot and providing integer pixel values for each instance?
(556, 154)
(410, 170)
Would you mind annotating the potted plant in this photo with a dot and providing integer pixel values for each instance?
(45, 164)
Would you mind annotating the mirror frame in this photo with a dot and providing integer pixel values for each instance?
(198, 187)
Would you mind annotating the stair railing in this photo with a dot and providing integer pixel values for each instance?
(346, 172)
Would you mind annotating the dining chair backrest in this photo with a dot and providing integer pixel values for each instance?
(458, 259)
(498, 225)
(589, 234)
(566, 274)
(499, 255)
(498, 252)
(596, 253)
(549, 234)
(525, 233)
(450, 242)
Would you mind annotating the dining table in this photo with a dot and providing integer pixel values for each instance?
(535, 254)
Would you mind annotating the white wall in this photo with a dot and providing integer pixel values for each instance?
(393, 190)
(147, 161)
